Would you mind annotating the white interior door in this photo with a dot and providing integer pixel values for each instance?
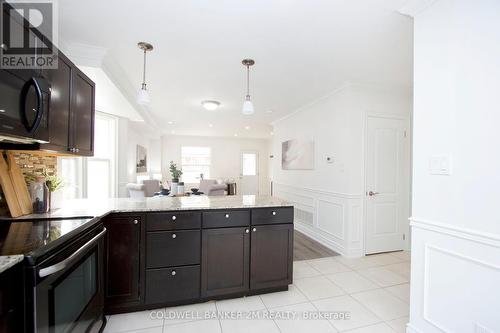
(249, 176)
(387, 185)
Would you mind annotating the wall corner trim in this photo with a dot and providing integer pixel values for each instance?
(414, 7)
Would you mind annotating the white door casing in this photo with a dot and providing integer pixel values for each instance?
(387, 184)
(249, 173)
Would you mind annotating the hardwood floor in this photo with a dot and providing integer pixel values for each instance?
(305, 248)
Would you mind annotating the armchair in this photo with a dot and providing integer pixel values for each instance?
(148, 188)
(210, 187)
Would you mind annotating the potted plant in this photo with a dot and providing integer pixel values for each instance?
(176, 175)
(54, 183)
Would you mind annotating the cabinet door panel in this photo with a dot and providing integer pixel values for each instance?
(123, 261)
(225, 261)
(60, 103)
(271, 258)
(83, 112)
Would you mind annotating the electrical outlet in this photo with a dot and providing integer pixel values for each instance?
(482, 329)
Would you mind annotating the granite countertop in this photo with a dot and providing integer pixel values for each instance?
(102, 207)
(7, 262)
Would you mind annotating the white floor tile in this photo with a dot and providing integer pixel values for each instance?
(302, 269)
(402, 269)
(378, 328)
(303, 322)
(401, 291)
(318, 287)
(383, 304)
(382, 259)
(187, 313)
(328, 265)
(282, 298)
(243, 304)
(352, 282)
(355, 263)
(146, 330)
(249, 326)
(382, 276)
(205, 326)
(359, 315)
(132, 321)
(399, 325)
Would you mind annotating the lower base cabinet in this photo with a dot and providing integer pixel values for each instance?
(225, 261)
(169, 258)
(166, 285)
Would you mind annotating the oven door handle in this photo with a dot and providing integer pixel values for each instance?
(64, 263)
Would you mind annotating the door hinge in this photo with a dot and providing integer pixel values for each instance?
(405, 133)
(404, 237)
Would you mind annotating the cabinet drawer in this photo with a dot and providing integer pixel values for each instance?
(173, 221)
(278, 215)
(172, 284)
(226, 218)
(172, 248)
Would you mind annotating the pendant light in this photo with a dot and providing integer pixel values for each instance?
(248, 105)
(143, 95)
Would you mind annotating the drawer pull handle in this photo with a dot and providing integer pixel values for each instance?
(247, 231)
(226, 216)
(173, 273)
(174, 236)
(136, 222)
(274, 213)
(254, 229)
(174, 218)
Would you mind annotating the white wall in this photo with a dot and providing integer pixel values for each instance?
(330, 197)
(455, 223)
(225, 158)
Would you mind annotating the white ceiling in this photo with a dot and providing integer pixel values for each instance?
(303, 49)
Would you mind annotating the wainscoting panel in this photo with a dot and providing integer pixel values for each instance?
(333, 219)
(455, 279)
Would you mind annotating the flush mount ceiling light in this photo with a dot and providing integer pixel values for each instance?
(210, 105)
(143, 95)
(248, 105)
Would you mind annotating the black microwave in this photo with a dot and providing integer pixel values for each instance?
(24, 106)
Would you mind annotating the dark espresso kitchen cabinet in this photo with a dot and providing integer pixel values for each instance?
(225, 261)
(124, 258)
(72, 109)
(271, 256)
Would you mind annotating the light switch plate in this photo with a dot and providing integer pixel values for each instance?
(440, 165)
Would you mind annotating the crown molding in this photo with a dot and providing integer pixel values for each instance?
(84, 54)
(414, 7)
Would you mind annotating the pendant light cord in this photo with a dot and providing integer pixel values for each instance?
(144, 72)
(248, 81)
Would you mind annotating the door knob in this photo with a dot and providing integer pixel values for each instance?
(371, 193)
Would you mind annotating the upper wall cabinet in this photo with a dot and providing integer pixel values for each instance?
(72, 110)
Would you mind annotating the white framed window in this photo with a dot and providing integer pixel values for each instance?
(194, 162)
(93, 177)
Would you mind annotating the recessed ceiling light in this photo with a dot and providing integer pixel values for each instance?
(272, 133)
(210, 125)
(170, 122)
(247, 127)
(269, 111)
(210, 105)
(235, 134)
(173, 132)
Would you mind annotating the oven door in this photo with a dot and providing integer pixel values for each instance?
(69, 294)
(24, 107)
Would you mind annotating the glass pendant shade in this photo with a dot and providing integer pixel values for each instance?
(247, 107)
(143, 97)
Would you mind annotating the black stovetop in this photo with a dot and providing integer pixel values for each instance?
(35, 238)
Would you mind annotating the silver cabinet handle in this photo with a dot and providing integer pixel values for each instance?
(136, 222)
(4, 47)
(226, 216)
(274, 213)
(64, 263)
(254, 229)
(174, 218)
(77, 150)
(174, 236)
(173, 273)
(247, 231)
